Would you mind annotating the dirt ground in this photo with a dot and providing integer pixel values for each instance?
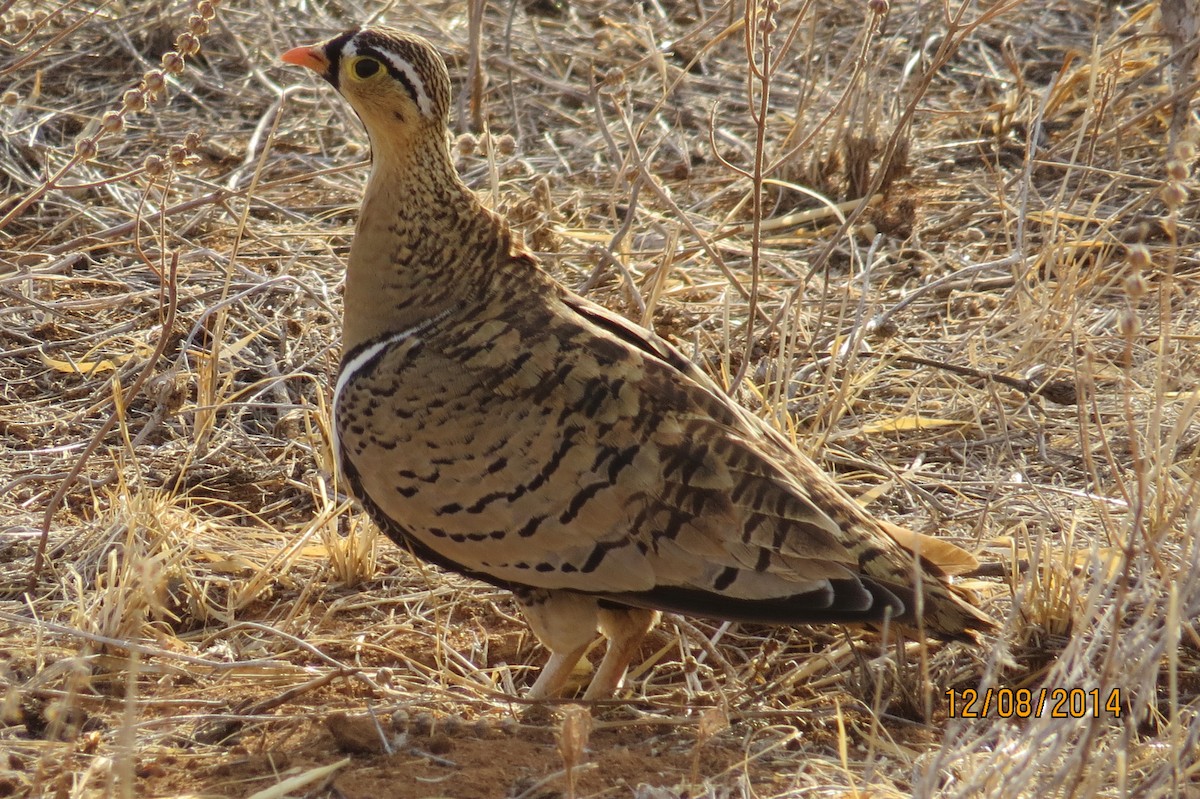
(970, 235)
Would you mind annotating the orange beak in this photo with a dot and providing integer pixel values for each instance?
(311, 57)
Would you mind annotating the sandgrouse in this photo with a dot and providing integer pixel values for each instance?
(500, 426)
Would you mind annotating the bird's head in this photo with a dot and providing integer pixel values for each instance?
(395, 81)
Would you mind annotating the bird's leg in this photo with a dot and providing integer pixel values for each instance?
(624, 628)
(555, 673)
(565, 623)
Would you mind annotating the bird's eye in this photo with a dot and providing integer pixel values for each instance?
(364, 68)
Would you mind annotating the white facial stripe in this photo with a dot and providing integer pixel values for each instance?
(424, 102)
(418, 85)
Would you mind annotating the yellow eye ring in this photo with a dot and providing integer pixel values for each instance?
(364, 68)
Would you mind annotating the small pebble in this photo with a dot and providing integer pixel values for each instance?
(453, 725)
(422, 724)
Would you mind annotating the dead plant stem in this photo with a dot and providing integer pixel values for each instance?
(160, 348)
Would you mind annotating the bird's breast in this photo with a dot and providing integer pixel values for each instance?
(482, 445)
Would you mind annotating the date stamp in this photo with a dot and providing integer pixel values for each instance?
(1026, 703)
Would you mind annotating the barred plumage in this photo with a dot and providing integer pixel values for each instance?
(505, 428)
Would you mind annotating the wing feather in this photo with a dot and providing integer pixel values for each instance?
(601, 460)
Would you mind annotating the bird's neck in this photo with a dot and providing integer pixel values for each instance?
(424, 246)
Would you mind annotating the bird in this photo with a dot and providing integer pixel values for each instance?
(501, 426)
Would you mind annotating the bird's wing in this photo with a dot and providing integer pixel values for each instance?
(561, 447)
(944, 556)
(884, 557)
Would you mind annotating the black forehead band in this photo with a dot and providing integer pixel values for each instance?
(333, 54)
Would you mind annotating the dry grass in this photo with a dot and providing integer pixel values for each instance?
(170, 276)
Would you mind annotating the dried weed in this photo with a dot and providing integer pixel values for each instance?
(950, 249)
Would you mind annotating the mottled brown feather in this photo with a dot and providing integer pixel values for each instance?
(504, 427)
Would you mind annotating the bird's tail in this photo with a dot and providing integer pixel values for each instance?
(939, 608)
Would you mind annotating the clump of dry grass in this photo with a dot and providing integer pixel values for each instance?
(901, 235)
